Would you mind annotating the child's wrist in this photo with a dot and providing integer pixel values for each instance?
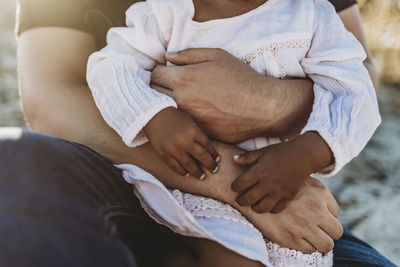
(154, 124)
(316, 153)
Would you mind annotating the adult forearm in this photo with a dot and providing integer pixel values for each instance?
(352, 21)
(373, 73)
(230, 100)
(57, 100)
(292, 101)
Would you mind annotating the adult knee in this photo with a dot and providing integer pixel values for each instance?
(29, 161)
(24, 151)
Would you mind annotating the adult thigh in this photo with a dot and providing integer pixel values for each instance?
(50, 203)
(349, 251)
(62, 204)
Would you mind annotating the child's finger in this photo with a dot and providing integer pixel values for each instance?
(204, 141)
(252, 196)
(191, 167)
(204, 157)
(265, 204)
(174, 164)
(248, 158)
(280, 206)
(245, 181)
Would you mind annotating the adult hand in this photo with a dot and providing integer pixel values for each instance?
(229, 100)
(308, 224)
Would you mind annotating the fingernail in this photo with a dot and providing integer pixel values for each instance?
(236, 157)
(203, 176)
(187, 175)
(218, 159)
(216, 169)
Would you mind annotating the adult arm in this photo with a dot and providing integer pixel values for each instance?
(258, 105)
(230, 100)
(57, 101)
(351, 19)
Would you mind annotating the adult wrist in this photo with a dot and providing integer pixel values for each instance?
(291, 103)
(263, 106)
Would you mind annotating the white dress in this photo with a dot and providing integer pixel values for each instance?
(280, 38)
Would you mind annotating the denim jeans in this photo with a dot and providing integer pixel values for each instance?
(62, 204)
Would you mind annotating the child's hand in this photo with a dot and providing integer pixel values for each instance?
(278, 173)
(180, 143)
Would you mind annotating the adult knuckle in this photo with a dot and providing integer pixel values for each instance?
(308, 249)
(337, 234)
(320, 216)
(303, 246)
(301, 222)
(291, 237)
(314, 207)
(185, 79)
(327, 246)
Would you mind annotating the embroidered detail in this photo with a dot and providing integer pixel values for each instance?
(275, 48)
(280, 256)
(204, 207)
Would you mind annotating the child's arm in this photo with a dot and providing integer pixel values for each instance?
(119, 76)
(344, 117)
(178, 140)
(279, 171)
(345, 111)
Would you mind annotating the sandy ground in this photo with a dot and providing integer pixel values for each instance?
(368, 189)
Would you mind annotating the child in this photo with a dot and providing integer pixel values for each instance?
(297, 38)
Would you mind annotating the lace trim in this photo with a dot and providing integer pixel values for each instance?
(274, 48)
(280, 256)
(204, 207)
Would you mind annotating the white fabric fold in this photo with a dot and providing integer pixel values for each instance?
(281, 37)
(119, 75)
(345, 111)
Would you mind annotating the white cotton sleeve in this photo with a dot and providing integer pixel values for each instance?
(119, 75)
(345, 111)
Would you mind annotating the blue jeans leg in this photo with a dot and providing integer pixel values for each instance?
(350, 251)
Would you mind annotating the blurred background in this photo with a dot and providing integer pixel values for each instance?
(368, 189)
